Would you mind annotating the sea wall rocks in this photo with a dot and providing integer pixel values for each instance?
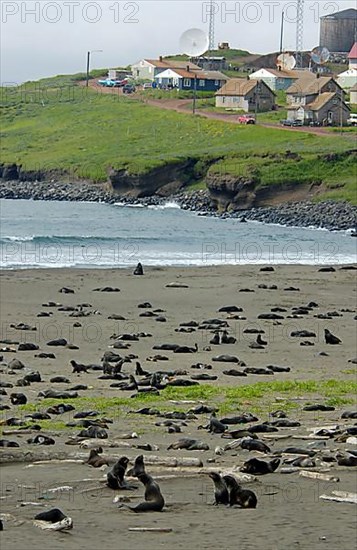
(328, 214)
(55, 191)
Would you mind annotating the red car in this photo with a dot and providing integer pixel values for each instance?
(246, 119)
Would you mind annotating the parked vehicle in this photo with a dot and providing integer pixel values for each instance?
(352, 120)
(291, 122)
(110, 83)
(147, 86)
(128, 89)
(246, 119)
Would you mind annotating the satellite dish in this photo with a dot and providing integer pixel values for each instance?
(320, 55)
(194, 42)
(285, 62)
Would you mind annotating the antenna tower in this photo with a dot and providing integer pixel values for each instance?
(299, 32)
(211, 26)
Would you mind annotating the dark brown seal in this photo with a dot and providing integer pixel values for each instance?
(221, 494)
(238, 496)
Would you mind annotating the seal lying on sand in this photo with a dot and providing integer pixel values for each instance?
(260, 467)
(95, 460)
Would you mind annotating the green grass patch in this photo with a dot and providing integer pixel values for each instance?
(54, 125)
(259, 397)
(339, 174)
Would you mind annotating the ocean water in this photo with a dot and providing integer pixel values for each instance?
(64, 234)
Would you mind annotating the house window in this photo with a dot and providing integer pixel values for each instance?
(201, 83)
(187, 82)
(223, 99)
(216, 82)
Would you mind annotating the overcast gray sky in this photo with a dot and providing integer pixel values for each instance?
(45, 38)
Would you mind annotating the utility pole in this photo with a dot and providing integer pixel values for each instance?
(282, 31)
(194, 95)
(88, 64)
(87, 73)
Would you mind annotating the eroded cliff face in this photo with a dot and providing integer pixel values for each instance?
(163, 181)
(230, 193)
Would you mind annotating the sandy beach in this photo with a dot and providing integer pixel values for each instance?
(289, 511)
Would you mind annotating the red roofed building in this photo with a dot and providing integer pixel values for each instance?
(352, 57)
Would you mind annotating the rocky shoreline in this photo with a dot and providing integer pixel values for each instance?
(329, 215)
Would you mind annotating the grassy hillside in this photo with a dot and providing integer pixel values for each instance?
(55, 125)
(338, 174)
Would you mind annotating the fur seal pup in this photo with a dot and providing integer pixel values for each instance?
(53, 516)
(115, 477)
(78, 367)
(331, 338)
(186, 349)
(220, 489)
(255, 466)
(215, 426)
(138, 468)
(242, 497)
(138, 270)
(189, 444)
(255, 445)
(95, 460)
(154, 501)
(18, 399)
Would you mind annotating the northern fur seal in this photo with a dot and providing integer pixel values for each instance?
(154, 501)
(260, 467)
(331, 338)
(189, 444)
(95, 460)
(254, 445)
(220, 489)
(115, 477)
(53, 516)
(242, 497)
(138, 468)
(138, 270)
(215, 426)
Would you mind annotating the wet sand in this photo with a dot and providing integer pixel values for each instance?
(289, 511)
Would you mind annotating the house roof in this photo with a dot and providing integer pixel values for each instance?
(353, 52)
(201, 75)
(240, 87)
(309, 85)
(349, 72)
(350, 13)
(172, 64)
(277, 73)
(318, 103)
(321, 101)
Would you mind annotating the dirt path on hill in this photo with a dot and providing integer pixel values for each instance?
(183, 106)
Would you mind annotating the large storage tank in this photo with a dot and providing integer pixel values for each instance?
(338, 31)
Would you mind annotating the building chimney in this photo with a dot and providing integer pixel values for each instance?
(188, 68)
(160, 58)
